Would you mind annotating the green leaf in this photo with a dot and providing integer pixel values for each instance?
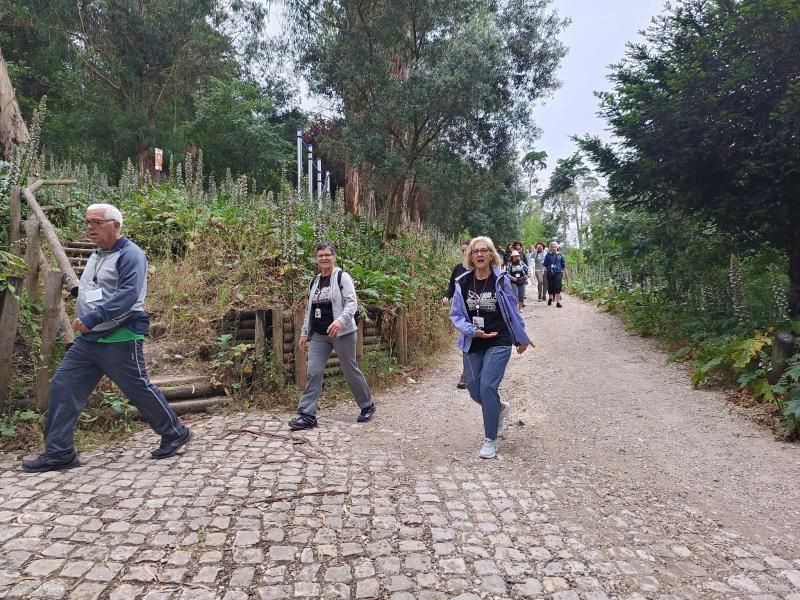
(763, 390)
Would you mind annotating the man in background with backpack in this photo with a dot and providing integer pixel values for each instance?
(330, 324)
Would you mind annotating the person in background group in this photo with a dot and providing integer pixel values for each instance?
(329, 325)
(556, 269)
(518, 273)
(110, 326)
(458, 270)
(537, 264)
(518, 247)
(484, 310)
(507, 253)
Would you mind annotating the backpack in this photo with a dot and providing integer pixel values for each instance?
(357, 316)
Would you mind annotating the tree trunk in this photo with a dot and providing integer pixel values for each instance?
(13, 130)
(398, 203)
(142, 152)
(794, 280)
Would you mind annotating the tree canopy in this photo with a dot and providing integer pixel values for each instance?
(707, 113)
(121, 75)
(419, 81)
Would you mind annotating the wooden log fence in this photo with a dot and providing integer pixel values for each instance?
(54, 319)
(279, 329)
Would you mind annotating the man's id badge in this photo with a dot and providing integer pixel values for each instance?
(318, 313)
(478, 322)
(94, 295)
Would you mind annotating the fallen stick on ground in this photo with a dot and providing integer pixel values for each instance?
(328, 492)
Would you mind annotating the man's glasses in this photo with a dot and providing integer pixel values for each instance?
(96, 222)
(324, 256)
(480, 251)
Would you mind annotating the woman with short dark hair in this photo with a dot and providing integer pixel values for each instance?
(330, 324)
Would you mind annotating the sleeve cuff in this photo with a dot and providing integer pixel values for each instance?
(91, 320)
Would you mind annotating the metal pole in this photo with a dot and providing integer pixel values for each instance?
(319, 181)
(299, 159)
(310, 172)
(328, 183)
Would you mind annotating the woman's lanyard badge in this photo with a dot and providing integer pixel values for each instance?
(318, 310)
(477, 320)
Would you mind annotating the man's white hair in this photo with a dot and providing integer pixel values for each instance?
(110, 212)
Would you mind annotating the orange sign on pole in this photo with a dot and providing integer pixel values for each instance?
(159, 160)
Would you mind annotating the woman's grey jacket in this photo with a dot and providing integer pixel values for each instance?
(343, 300)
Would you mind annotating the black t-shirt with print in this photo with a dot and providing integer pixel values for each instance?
(482, 302)
(321, 299)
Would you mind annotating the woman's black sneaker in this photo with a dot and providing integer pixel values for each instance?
(366, 413)
(558, 304)
(549, 301)
(303, 422)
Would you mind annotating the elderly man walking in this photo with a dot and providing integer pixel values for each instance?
(111, 323)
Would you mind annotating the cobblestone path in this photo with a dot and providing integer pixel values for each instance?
(403, 508)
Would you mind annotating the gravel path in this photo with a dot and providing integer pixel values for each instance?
(615, 480)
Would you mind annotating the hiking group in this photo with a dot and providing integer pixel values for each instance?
(487, 290)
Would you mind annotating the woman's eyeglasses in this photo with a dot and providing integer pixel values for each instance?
(480, 251)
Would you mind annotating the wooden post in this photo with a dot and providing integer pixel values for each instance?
(32, 251)
(66, 324)
(53, 283)
(259, 336)
(9, 315)
(16, 220)
(401, 337)
(55, 245)
(782, 348)
(300, 357)
(277, 339)
(360, 340)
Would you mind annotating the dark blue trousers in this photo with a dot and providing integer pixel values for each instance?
(80, 371)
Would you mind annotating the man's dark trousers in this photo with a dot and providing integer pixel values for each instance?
(80, 371)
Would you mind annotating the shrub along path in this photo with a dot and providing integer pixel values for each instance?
(615, 480)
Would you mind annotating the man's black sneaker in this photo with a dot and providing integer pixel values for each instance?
(170, 447)
(303, 422)
(366, 413)
(549, 301)
(43, 463)
(558, 304)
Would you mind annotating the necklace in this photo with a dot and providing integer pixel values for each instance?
(479, 296)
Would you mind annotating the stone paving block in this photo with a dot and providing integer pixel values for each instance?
(125, 591)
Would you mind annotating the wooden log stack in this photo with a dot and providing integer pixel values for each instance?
(282, 334)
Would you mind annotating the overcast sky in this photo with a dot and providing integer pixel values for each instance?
(596, 38)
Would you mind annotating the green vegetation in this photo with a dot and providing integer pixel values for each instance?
(707, 112)
(217, 245)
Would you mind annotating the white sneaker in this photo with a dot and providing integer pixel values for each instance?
(505, 410)
(489, 448)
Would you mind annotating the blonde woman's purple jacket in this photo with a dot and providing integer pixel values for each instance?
(507, 301)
